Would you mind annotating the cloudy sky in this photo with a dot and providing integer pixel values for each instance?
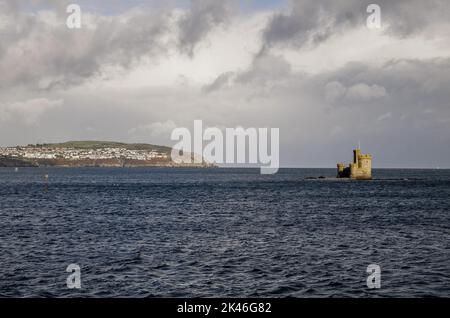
(138, 69)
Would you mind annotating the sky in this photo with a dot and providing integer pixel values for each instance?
(136, 70)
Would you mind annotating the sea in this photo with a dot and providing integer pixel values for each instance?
(225, 232)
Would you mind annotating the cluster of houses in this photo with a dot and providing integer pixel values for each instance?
(78, 154)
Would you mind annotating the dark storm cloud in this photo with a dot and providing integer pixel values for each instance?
(39, 54)
(203, 16)
(38, 51)
(265, 70)
(311, 22)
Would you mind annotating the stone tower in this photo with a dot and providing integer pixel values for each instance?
(360, 169)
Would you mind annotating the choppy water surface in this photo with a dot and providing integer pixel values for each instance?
(223, 232)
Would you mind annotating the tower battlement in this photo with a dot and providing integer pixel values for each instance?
(367, 156)
(359, 169)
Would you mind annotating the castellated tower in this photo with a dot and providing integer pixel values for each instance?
(360, 169)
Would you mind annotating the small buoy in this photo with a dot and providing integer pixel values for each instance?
(16, 169)
(46, 182)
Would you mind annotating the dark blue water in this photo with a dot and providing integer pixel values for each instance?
(223, 232)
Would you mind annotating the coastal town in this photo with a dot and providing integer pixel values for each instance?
(93, 154)
(80, 154)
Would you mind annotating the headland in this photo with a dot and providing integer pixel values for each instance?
(91, 154)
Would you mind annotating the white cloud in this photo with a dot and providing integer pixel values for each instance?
(361, 92)
(29, 111)
(364, 92)
(385, 116)
(155, 129)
